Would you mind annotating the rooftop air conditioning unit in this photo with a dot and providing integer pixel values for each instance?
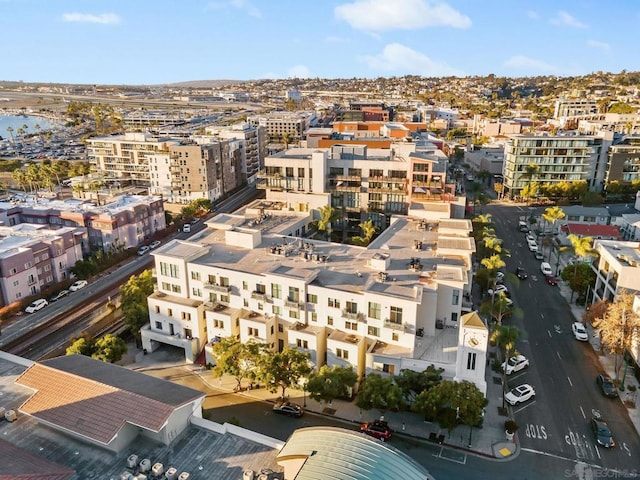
(126, 476)
(145, 465)
(157, 469)
(171, 473)
(248, 475)
(184, 476)
(132, 461)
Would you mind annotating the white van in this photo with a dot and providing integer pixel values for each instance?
(545, 268)
(533, 246)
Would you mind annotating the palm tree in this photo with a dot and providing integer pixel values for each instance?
(328, 214)
(20, 178)
(552, 215)
(582, 246)
(505, 338)
(34, 177)
(529, 171)
(10, 130)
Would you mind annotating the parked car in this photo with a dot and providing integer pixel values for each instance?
(522, 226)
(602, 433)
(520, 394)
(515, 364)
(530, 238)
(551, 280)
(538, 255)
(154, 244)
(59, 295)
(579, 331)
(142, 250)
(545, 268)
(36, 305)
(78, 285)
(378, 429)
(288, 408)
(521, 273)
(607, 386)
(498, 289)
(533, 246)
(186, 228)
(194, 221)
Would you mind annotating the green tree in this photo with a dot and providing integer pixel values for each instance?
(237, 359)
(530, 171)
(618, 327)
(579, 276)
(379, 392)
(133, 297)
(552, 215)
(285, 369)
(498, 308)
(328, 215)
(20, 177)
(413, 383)
(109, 348)
(331, 383)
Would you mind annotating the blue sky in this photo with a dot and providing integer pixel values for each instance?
(161, 41)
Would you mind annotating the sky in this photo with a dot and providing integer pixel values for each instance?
(135, 42)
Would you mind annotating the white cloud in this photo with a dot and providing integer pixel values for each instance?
(531, 65)
(401, 60)
(381, 15)
(299, 71)
(603, 46)
(239, 4)
(533, 15)
(564, 19)
(103, 18)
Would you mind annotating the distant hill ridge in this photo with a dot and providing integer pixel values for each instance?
(205, 83)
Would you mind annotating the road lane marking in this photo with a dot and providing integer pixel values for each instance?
(570, 381)
(559, 457)
(558, 354)
(598, 452)
(549, 333)
(541, 315)
(521, 409)
(582, 411)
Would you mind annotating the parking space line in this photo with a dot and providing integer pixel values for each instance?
(521, 409)
(549, 333)
(598, 452)
(582, 411)
(570, 381)
(558, 354)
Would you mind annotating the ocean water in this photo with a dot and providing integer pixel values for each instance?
(17, 121)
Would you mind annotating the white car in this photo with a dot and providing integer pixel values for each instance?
(530, 237)
(36, 305)
(154, 244)
(579, 331)
(520, 394)
(142, 250)
(515, 364)
(78, 285)
(499, 289)
(533, 246)
(499, 276)
(545, 268)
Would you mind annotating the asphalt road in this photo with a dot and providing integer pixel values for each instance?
(562, 370)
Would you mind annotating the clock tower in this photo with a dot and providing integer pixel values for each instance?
(473, 339)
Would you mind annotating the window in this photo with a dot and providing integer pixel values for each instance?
(294, 294)
(276, 290)
(312, 298)
(280, 328)
(373, 331)
(314, 317)
(13, 271)
(169, 270)
(47, 268)
(260, 288)
(158, 325)
(351, 325)
(456, 297)
(471, 361)
(196, 292)
(374, 310)
(302, 344)
(170, 312)
(224, 298)
(186, 316)
(157, 309)
(276, 309)
(352, 307)
(218, 324)
(294, 314)
(245, 285)
(396, 315)
(329, 320)
(334, 302)
(253, 332)
(224, 281)
(344, 354)
(395, 337)
(195, 275)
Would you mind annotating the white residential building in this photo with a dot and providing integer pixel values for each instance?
(618, 267)
(393, 305)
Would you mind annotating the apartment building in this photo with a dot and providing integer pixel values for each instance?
(277, 124)
(395, 304)
(182, 169)
(127, 221)
(624, 160)
(33, 257)
(567, 108)
(560, 158)
(126, 156)
(617, 268)
(363, 183)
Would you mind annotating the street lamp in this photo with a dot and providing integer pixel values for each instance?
(624, 375)
(303, 382)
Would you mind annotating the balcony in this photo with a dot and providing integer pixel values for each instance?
(293, 304)
(261, 296)
(215, 306)
(341, 187)
(217, 288)
(387, 189)
(393, 325)
(358, 316)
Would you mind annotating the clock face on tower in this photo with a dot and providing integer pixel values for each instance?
(473, 341)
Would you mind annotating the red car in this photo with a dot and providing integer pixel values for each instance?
(551, 280)
(378, 429)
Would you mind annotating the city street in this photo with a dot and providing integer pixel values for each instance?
(562, 370)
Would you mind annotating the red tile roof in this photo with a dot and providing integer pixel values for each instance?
(87, 407)
(592, 230)
(19, 464)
